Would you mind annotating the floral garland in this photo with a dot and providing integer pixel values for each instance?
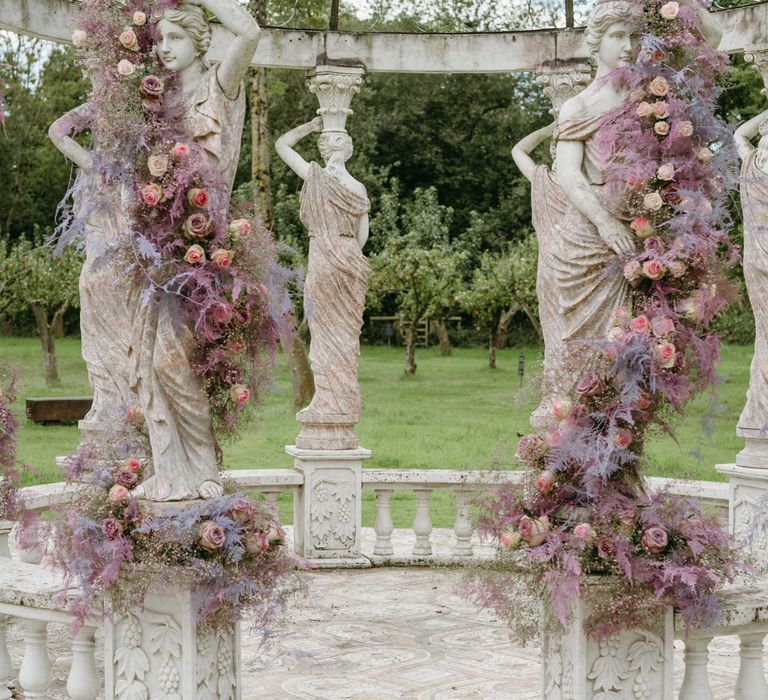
(583, 508)
(9, 474)
(183, 243)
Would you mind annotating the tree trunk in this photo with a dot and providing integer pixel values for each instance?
(410, 348)
(48, 340)
(58, 330)
(493, 337)
(492, 351)
(501, 329)
(534, 319)
(261, 186)
(442, 336)
(295, 354)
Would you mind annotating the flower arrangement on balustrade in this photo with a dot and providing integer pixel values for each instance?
(182, 241)
(582, 508)
(230, 549)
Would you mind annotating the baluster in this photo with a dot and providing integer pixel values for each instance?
(6, 667)
(83, 682)
(422, 524)
(270, 498)
(751, 685)
(35, 675)
(5, 531)
(696, 681)
(462, 528)
(383, 527)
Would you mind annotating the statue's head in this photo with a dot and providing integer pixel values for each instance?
(184, 36)
(335, 146)
(609, 34)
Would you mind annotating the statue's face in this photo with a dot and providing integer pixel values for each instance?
(616, 46)
(175, 47)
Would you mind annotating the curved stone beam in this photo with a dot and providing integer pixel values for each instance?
(497, 52)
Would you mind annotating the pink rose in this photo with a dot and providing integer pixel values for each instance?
(151, 86)
(627, 518)
(661, 128)
(112, 528)
(194, 255)
(133, 465)
(222, 257)
(79, 38)
(623, 438)
(677, 268)
(704, 155)
(669, 10)
(179, 151)
(135, 416)
(125, 67)
(606, 548)
(533, 531)
(644, 109)
(240, 227)
(659, 86)
(609, 353)
(240, 393)
(117, 494)
(642, 226)
(211, 536)
(654, 540)
(197, 226)
(152, 194)
(256, 542)
(221, 313)
(545, 481)
(653, 269)
(666, 355)
(236, 346)
(157, 164)
(128, 39)
(197, 197)
(660, 109)
(644, 402)
(554, 438)
(139, 19)
(584, 531)
(510, 540)
(685, 129)
(640, 324)
(654, 244)
(662, 326)
(666, 172)
(621, 315)
(632, 270)
(242, 509)
(653, 201)
(561, 408)
(590, 384)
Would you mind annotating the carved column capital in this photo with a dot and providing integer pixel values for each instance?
(561, 80)
(759, 59)
(335, 86)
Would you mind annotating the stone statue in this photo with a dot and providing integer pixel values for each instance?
(173, 398)
(334, 209)
(754, 202)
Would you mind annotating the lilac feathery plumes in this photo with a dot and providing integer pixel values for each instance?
(668, 158)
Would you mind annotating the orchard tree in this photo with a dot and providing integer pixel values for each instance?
(32, 276)
(417, 269)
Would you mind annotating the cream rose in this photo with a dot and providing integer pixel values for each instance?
(139, 19)
(152, 194)
(644, 110)
(666, 172)
(128, 39)
(637, 95)
(660, 109)
(197, 197)
(615, 334)
(685, 129)
(240, 227)
(125, 67)
(661, 128)
(117, 494)
(157, 164)
(632, 270)
(653, 201)
(240, 393)
(669, 10)
(79, 38)
(677, 268)
(195, 254)
(659, 86)
(704, 155)
(222, 257)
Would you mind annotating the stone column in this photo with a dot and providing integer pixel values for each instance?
(562, 80)
(758, 57)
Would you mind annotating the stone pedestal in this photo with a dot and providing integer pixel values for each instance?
(327, 511)
(633, 665)
(160, 652)
(326, 431)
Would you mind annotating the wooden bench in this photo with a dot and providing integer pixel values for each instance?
(64, 409)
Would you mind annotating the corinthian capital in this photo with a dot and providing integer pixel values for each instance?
(335, 85)
(759, 59)
(562, 80)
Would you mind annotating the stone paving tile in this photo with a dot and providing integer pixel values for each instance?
(382, 633)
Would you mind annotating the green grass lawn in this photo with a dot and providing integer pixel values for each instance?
(455, 413)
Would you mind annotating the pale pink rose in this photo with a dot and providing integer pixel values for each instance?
(197, 197)
(533, 531)
(615, 334)
(662, 326)
(660, 109)
(197, 225)
(659, 86)
(661, 128)
(221, 313)
(545, 481)
(704, 155)
(222, 257)
(627, 518)
(510, 540)
(666, 355)
(632, 270)
(139, 19)
(117, 494)
(242, 509)
(655, 540)
(677, 268)
(125, 67)
(669, 10)
(653, 201)
(236, 346)
(609, 353)
(152, 194)
(555, 438)
(79, 38)
(621, 315)
(194, 255)
(132, 464)
(561, 408)
(642, 226)
(640, 324)
(179, 151)
(623, 438)
(666, 172)
(584, 531)
(644, 109)
(157, 164)
(637, 95)
(690, 309)
(128, 39)
(635, 182)
(240, 227)
(685, 129)
(211, 536)
(653, 269)
(240, 393)
(643, 402)
(135, 416)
